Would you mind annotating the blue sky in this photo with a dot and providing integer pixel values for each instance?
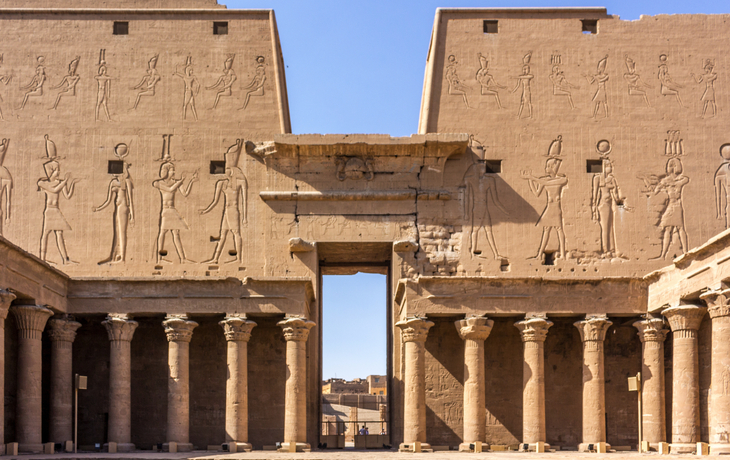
(357, 67)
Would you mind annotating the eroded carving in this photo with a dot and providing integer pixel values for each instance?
(6, 186)
(480, 189)
(561, 85)
(104, 87)
(256, 87)
(354, 168)
(605, 199)
(225, 81)
(120, 192)
(722, 183)
(487, 82)
(708, 96)
(35, 87)
(68, 83)
(668, 87)
(600, 97)
(456, 86)
(442, 247)
(524, 80)
(4, 79)
(149, 82)
(192, 87)
(636, 86)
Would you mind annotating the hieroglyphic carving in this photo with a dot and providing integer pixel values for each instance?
(600, 97)
(3, 79)
(52, 185)
(6, 186)
(225, 81)
(354, 168)
(480, 188)
(147, 85)
(121, 192)
(636, 85)
(192, 87)
(256, 87)
(722, 183)
(486, 80)
(605, 198)
(668, 87)
(561, 85)
(456, 86)
(234, 189)
(35, 87)
(104, 87)
(170, 219)
(708, 96)
(525, 80)
(68, 83)
(553, 184)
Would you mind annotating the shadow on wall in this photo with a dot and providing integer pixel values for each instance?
(444, 383)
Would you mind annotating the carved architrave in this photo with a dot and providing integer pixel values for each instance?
(354, 168)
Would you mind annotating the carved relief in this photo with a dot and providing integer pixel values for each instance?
(52, 185)
(480, 189)
(605, 198)
(234, 190)
(68, 83)
(354, 168)
(722, 183)
(104, 85)
(256, 87)
(553, 184)
(708, 96)
(6, 186)
(561, 86)
(3, 79)
(35, 87)
(600, 97)
(442, 247)
(225, 81)
(636, 85)
(524, 81)
(120, 192)
(456, 86)
(668, 86)
(192, 87)
(170, 219)
(487, 82)
(149, 82)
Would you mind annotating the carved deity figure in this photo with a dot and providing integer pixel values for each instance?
(104, 85)
(256, 87)
(561, 86)
(480, 189)
(225, 81)
(6, 186)
(600, 97)
(234, 189)
(605, 197)
(672, 216)
(487, 82)
(633, 79)
(708, 96)
(192, 88)
(3, 79)
(68, 83)
(456, 86)
(119, 192)
(35, 87)
(722, 184)
(53, 220)
(668, 86)
(524, 81)
(149, 82)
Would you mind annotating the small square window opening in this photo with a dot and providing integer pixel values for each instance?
(589, 26)
(115, 167)
(121, 28)
(217, 167)
(493, 166)
(220, 28)
(491, 26)
(594, 166)
(549, 258)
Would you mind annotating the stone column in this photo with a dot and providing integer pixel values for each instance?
(652, 332)
(685, 321)
(474, 331)
(533, 331)
(296, 332)
(237, 330)
(120, 329)
(179, 331)
(6, 297)
(62, 334)
(31, 320)
(414, 332)
(719, 310)
(592, 333)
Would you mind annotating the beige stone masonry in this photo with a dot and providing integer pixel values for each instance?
(533, 331)
(592, 334)
(6, 297)
(474, 330)
(652, 332)
(685, 321)
(62, 334)
(120, 329)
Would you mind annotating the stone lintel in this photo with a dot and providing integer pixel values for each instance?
(414, 329)
(296, 329)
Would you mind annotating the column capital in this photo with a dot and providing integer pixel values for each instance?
(179, 328)
(718, 302)
(414, 329)
(684, 317)
(237, 328)
(120, 328)
(6, 297)
(651, 330)
(296, 329)
(31, 320)
(474, 327)
(534, 329)
(63, 329)
(593, 328)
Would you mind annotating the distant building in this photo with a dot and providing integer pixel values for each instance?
(342, 386)
(377, 385)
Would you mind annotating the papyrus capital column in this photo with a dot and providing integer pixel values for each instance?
(414, 332)
(685, 321)
(179, 331)
(533, 331)
(6, 297)
(296, 333)
(474, 330)
(62, 333)
(237, 330)
(31, 320)
(592, 334)
(120, 329)
(718, 307)
(652, 333)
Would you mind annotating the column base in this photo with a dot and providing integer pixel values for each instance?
(719, 448)
(181, 447)
(408, 447)
(470, 447)
(682, 447)
(532, 446)
(234, 447)
(592, 446)
(300, 447)
(30, 448)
